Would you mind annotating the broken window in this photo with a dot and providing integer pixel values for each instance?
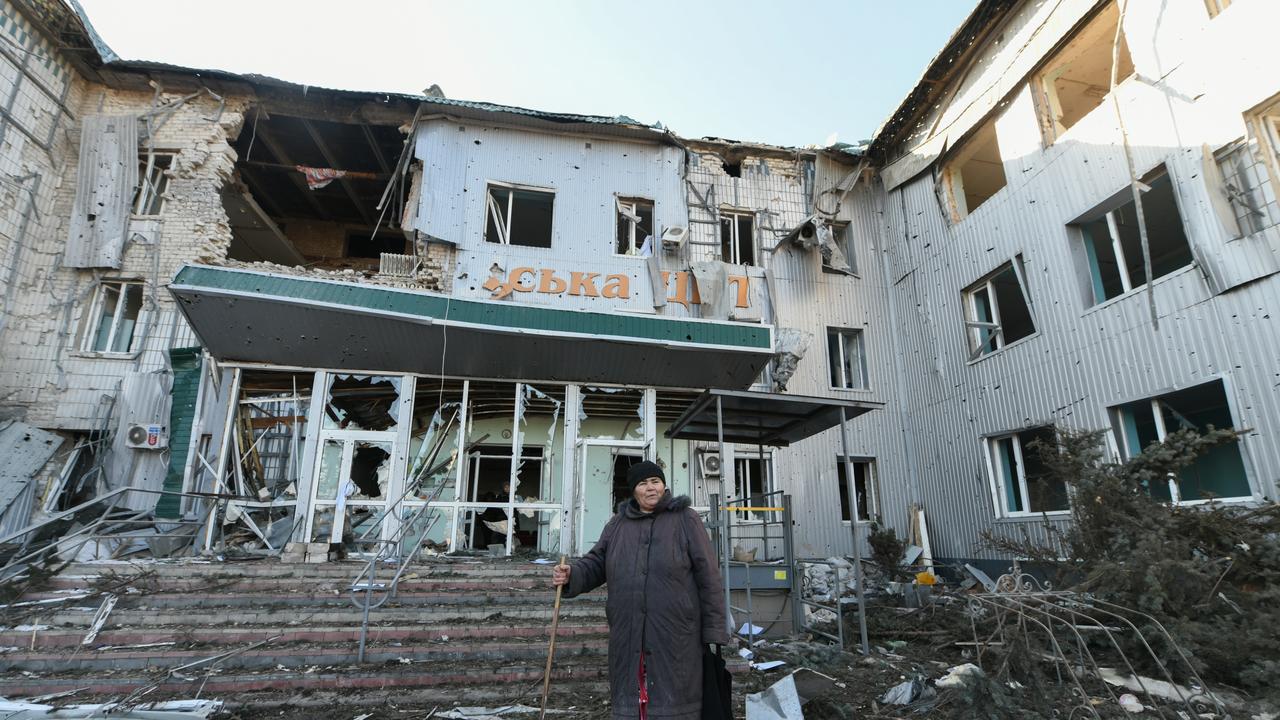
(976, 172)
(754, 479)
(737, 238)
(1078, 78)
(518, 216)
(112, 317)
(864, 485)
(1219, 473)
(997, 311)
(635, 224)
(1246, 185)
(153, 180)
(843, 238)
(847, 359)
(1246, 174)
(1113, 245)
(362, 402)
(1019, 475)
(360, 245)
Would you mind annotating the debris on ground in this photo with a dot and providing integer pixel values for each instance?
(173, 710)
(785, 699)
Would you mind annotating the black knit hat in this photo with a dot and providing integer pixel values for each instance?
(643, 471)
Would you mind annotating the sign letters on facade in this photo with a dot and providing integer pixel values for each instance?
(548, 281)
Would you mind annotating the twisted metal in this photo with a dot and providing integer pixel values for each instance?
(1023, 608)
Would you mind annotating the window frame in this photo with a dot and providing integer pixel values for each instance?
(841, 333)
(148, 194)
(627, 207)
(952, 172)
(504, 233)
(1045, 97)
(741, 477)
(997, 481)
(1263, 123)
(870, 485)
(1118, 201)
(735, 239)
(843, 237)
(1121, 443)
(93, 319)
(973, 326)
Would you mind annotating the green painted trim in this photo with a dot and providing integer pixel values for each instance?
(186, 386)
(494, 314)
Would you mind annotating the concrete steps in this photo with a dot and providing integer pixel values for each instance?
(480, 628)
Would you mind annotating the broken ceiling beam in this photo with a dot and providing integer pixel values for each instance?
(295, 177)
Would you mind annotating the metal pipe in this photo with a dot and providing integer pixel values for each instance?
(857, 535)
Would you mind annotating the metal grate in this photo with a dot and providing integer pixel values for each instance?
(395, 265)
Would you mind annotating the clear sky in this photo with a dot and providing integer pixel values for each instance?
(786, 73)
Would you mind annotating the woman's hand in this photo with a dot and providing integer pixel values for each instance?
(560, 575)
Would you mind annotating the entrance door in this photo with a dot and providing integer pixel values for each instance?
(353, 486)
(602, 485)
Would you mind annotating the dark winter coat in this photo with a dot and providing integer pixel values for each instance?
(665, 599)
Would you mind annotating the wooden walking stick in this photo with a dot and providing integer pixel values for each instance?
(551, 648)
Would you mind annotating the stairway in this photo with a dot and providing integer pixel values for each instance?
(458, 632)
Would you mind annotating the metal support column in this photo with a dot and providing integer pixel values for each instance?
(852, 489)
(726, 476)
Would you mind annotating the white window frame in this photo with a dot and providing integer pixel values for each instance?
(492, 213)
(742, 481)
(149, 192)
(1122, 199)
(94, 315)
(842, 333)
(996, 480)
(1175, 492)
(735, 239)
(872, 487)
(974, 328)
(627, 210)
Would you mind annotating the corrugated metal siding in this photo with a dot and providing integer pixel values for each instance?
(1084, 358)
(586, 174)
(105, 183)
(24, 450)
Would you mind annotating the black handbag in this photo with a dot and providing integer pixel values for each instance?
(717, 690)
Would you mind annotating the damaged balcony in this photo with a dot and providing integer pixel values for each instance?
(317, 193)
(286, 320)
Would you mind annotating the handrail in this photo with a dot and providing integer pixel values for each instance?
(387, 547)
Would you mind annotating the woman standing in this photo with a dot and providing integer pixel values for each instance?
(665, 599)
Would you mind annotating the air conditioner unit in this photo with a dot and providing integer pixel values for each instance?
(673, 237)
(709, 463)
(146, 437)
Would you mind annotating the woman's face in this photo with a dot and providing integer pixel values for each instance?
(649, 492)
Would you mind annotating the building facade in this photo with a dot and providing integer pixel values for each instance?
(365, 318)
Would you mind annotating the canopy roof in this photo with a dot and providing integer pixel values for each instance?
(758, 418)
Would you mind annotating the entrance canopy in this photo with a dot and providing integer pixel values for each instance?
(303, 321)
(757, 418)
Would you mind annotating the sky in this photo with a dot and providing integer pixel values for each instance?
(792, 73)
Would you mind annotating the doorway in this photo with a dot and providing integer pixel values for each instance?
(603, 485)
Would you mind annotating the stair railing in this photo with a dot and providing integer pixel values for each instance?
(365, 582)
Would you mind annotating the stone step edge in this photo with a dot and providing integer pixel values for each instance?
(214, 684)
(64, 637)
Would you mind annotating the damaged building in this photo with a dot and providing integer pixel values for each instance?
(269, 315)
